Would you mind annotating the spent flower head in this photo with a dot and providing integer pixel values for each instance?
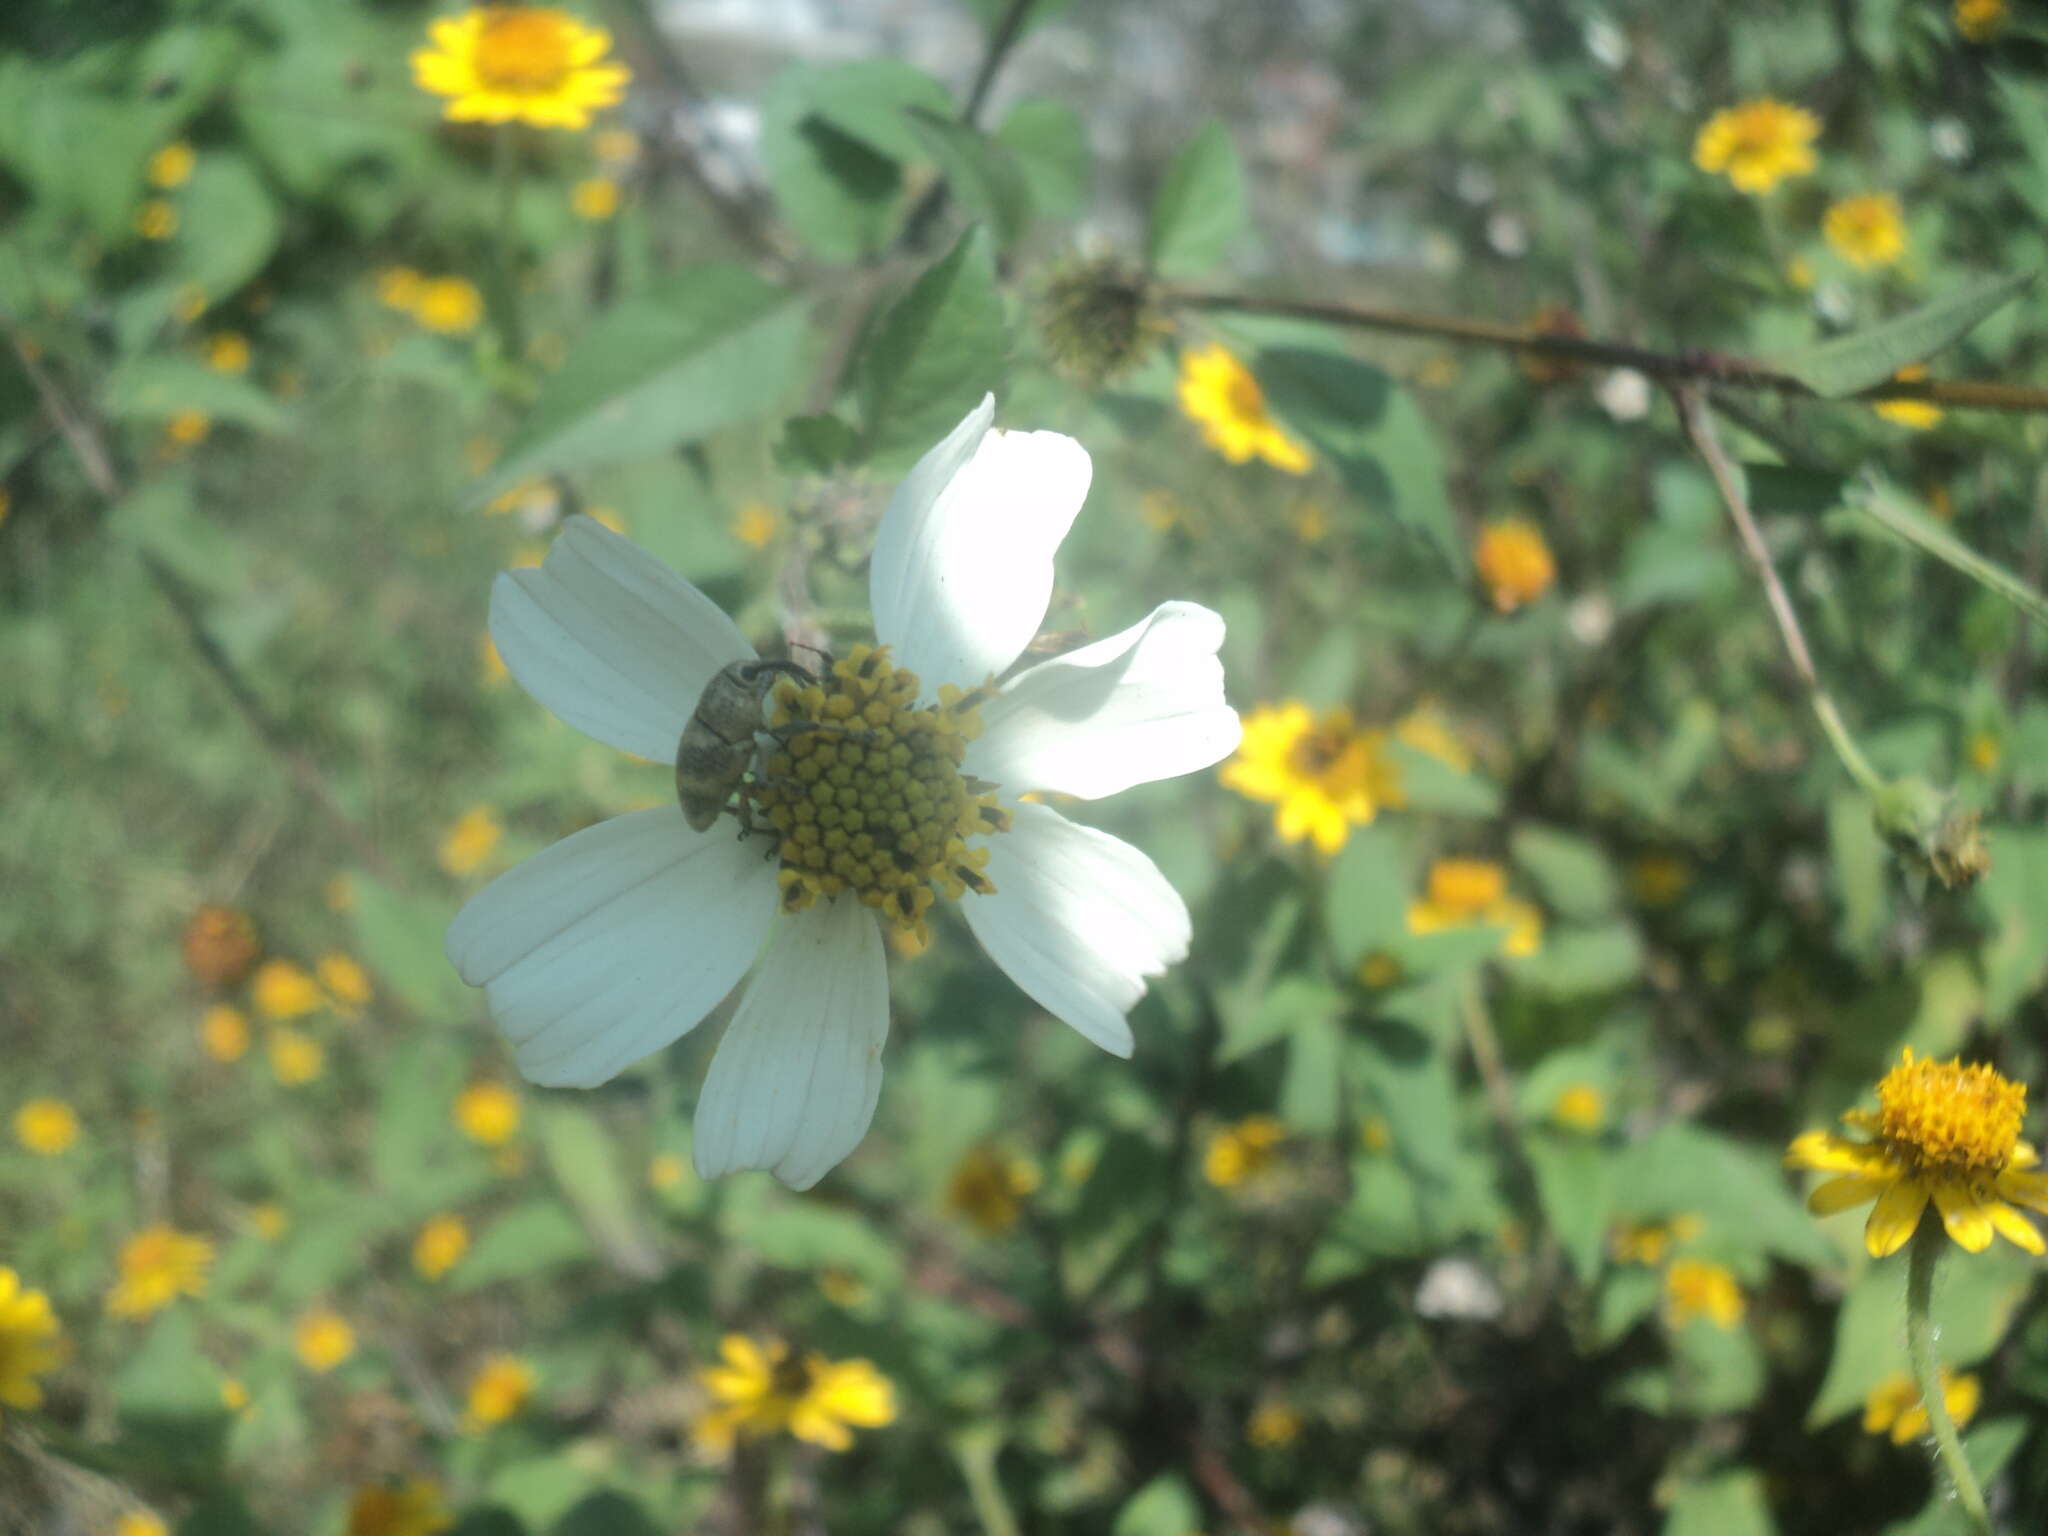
(1942, 1134)
(883, 781)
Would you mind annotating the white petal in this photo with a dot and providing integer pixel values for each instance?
(1146, 704)
(962, 568)
(1079, 919)
(794, 1083)
(614, 942)
(611, 640)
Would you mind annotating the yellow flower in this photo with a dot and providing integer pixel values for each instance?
(140, 1522)
(1581, 1107)
(1758, 144)
(1272, 1425)
(1894, 1405)
(595, 199)
(1465, 893)
(519, 63)
(1695, 1288)
(1324, 773)
(1984, 752)
(1243, 1151)
(170, 166)
(756, 525)
(987, 1188)
(449, 305)
(440, 1246)
(1659, 879)
(295, 1057)
(498, 1391)
(323, 1339)
(762, 1389)
(409, 1509)
(1219, 394)
(269, 1220)
(1980, 20)
(1866, 231)
(399, 288)
(228, 352)
(187, 428)
(1918, 415)
(29, 1344)
(1942, 1132)
(234, 1395)
(156, 219)
(46, 1127)
(224, 1033)
(1514, 562)
(284, 989)
(1426, 730)
(158, 1265)
(470, 841)
(487, 1113)
(347, 984)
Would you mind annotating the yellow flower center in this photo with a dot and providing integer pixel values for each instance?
(1942, 1115)
(866, 794)
(1319, 750)
(521, 50)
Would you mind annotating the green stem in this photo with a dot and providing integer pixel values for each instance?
(1845, 746)
(1929, 1239)
(505, 173)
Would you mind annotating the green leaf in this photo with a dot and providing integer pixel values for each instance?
(803, 1236)
(580, 1155)
(413, 1113)
(1582, 961)
(702, 350)
(1892, 510)
(606, 1514)
(1972, 1307)
(1575, 1183)
(1861, 862)
(1428, 783)
(529, 1240)
(162, 516)
(229, 225)
(1312, 1091)
(1200, 209)
(816, 445)
(935, 352)
(1371, 430)
(400, 937)
(1049, 143)
(983, 177)
(1740, 1192)
(1367, 907)
(1989, 1446)
(1849, 364)
(2015, 892)
(1728, 1504)
(1571, 872)
(153, 389)
(1163, 1507)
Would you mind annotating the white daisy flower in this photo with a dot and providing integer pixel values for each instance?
(621, 938)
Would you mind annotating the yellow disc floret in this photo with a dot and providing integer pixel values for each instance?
(1944, 1114)
(864, 790)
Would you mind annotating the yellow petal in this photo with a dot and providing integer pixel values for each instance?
(1845, 1191)
(1965, 1219)
(1894, 1217)
(2029, 1189)
(2015, 1227)
(1829, 1153)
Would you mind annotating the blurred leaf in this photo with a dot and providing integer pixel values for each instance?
(1366, 902)
(1570, 871)
(1311, 1093)
(581, 1157)
(803, 1236)
(1199, 211)
(984, 179)
(542, 1489)
(1740, 1192)
(1575, 1182)
(1582, 961)
(816, 445)
(167, 1397)
(1717, 1370)
(934, 352)
(1848, 364)
(400, 936)
(1049, 143)
(1428, 783)
(606, 1514)
(1371, 430)
(1990, 1446)
(704, 349)
(1890, 509)
(1973, 1305)
(420, 1083)
(230, 225)
(1163, 1507)
(156, 388)
(1291, 1003)
(1727, 1504)
(2026, 113)
(79, 151)
(529, 1240)
(160, 516)
(832, 139)
(220, 1512)
(1628, 1295)
(488, 1522)
(2015, 893)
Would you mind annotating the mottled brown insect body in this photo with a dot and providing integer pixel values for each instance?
(717, 746)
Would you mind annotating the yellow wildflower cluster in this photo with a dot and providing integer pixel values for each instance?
(46, 1127)
(1894, 1407)
(762, 1389)
(1468, 893)
(1243, 1151)
(157, 1266)
(30, 1342)
(470, 841)
(1758, 144)
(1866, 231)
(1514, 562)
(1697, 1288)
(1219, 394)
(498, 1392)
(1324, 773)
(449, 305)
(988, 1187)
(487, 1112)
(519, 64)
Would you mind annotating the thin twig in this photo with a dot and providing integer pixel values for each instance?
(1008, 28)
(1699, 428)
(1716, 368)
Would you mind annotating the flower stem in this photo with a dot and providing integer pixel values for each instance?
(505, 173)
(1929, 1239)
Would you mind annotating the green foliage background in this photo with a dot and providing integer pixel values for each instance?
(796, 338)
